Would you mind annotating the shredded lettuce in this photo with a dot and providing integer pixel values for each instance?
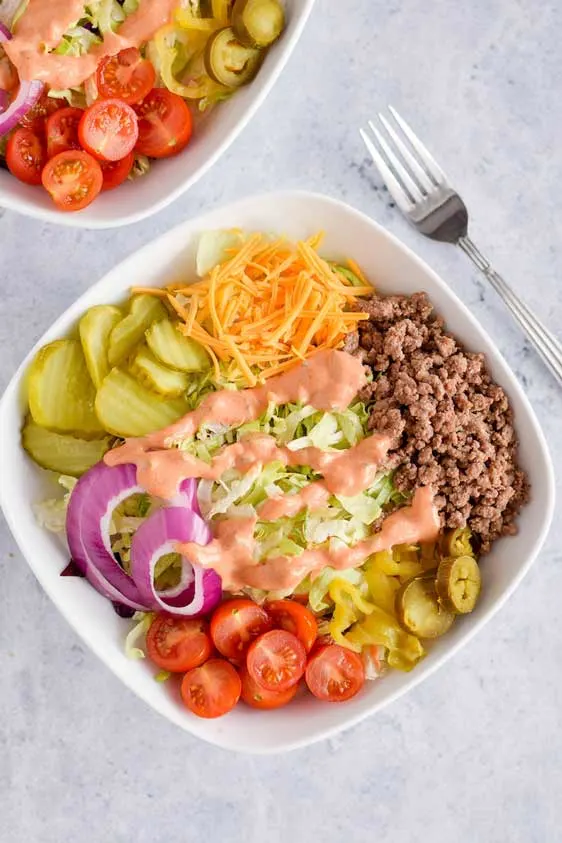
(141, 166)
(297, 426)
(77, 41)
(107, 15)
(137, 634)
(51, 513)
(162, 676)
(212, 248)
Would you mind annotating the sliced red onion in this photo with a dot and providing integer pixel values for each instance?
(26, 97)
(200, 589)
(88, 519)
(187, 496)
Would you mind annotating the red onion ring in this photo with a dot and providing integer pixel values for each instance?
(26, 97)
(88, 517)
(200, 589)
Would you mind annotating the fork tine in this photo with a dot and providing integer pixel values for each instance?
(397, 166)
(419, 172)
(394, 187)
(430, 163)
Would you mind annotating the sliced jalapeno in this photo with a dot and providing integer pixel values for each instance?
(228, 61)
(258, 23)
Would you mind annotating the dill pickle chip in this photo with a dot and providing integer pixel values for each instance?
(175, 350)
(458, 583)
(127, 408)
(419, 610)
(95, 328)
(143, 311)
(151, 372)
(61, 392)
(61, 452)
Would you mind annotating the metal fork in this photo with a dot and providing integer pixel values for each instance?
(423, 193)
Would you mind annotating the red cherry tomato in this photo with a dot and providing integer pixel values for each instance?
(335, 674)
(235, 624)
(276, 660)
(73, 179)
(257, 697)
(108, 129)
(126, 76)
(165, 124)
(25, 156)
(178, 644)
(116, 172)
(295, 618)
(61, 128)
(212, 689)
(38, 113)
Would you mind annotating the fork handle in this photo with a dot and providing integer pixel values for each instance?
(549, 348)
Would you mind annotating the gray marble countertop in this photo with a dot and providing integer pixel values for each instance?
(475, 753)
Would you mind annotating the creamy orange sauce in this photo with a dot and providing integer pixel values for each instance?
(231, 552)
(8, 77)
(314, 496)
(41, 27)
(328, 381)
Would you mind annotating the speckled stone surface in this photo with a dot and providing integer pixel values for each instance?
(475, 753)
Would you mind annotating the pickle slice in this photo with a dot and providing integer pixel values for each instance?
(150, 371)
(61, 452)
(143, 311)
(458, 583)
(419, 610)
(229, 62)
(127, 408)
(258, 23)
(175, 350)
(61, 392)
(95, 328)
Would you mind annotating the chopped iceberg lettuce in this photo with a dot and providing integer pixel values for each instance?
(213, 248)
(51, 513)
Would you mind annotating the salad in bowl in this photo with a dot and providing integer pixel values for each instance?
(91, 94)
(283, 481)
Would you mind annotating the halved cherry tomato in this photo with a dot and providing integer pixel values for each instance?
(165, 124)
(36, 116)
(108, 129)
(116, 172)
(235, 624)
(257, 697)
(276, 660)
(295, 618)
(61, 128)
(335, 674)
(73, 179)
(178, 644)
(126, 76)
(25, 156)
(212, 689)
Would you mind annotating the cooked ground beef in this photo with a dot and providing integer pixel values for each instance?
(451, 424)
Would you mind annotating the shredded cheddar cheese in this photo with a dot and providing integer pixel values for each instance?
(267, 306)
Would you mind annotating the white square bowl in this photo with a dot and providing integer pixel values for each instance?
(168, 179)
(393, 268)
